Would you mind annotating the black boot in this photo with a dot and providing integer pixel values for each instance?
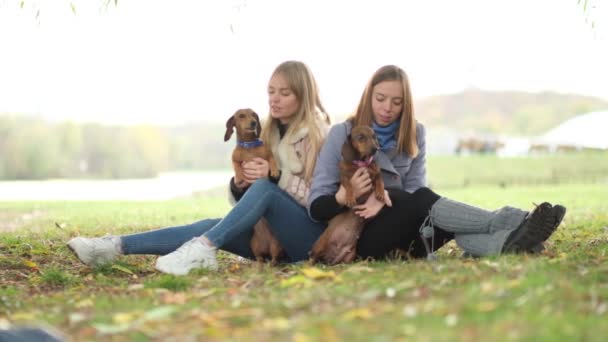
(536, 229)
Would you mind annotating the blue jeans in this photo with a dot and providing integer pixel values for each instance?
(289, 222)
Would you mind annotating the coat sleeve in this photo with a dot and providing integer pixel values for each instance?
(326, 176)
(416, 176)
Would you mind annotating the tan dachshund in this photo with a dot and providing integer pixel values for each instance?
(338, 243)
(248, 128)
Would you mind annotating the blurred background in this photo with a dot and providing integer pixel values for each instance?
(127, 99)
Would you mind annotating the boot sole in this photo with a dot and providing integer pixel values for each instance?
(561, 212)
(528, 241)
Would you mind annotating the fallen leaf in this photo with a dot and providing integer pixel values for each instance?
(486, 306)
(359, 269)
(85, 303)
(30, 264)
(108, 329)
(122, 269)
(234, 268)
(23, 316)
(359, 313)
(124, 317)
(410, 311)
(278, 323)
(487, 286)
(174, 298)
(451, 320)
(315, 273)
(135, 287)
(159, 313)
(299, 337)
(295, 281)
(76, 317)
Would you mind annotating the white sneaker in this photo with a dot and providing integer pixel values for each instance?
(95, 251)
(192, 254)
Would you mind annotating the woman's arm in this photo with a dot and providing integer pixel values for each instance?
(416, 176)
(322, 203)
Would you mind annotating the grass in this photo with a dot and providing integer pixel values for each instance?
(560, 295)
(560, 168)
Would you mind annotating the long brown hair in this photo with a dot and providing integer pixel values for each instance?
(406, 137)
(311, 112)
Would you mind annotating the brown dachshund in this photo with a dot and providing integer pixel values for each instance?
(338, 243)
(248, 129)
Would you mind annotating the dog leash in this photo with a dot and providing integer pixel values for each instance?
(250, 144)
(427, 230)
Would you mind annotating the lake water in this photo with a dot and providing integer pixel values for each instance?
(166, 186)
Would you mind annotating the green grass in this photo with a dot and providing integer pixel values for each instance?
(560, 295)
(474, 170)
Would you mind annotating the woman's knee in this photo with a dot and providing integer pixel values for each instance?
(263, 186)
(424, 198)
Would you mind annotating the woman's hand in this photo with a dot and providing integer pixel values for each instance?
(372, 206)
(361, 182)
(240, 183)
(254, 170)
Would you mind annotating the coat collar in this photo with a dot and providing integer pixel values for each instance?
(292, 139)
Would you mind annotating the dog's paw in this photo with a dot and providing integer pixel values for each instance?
(350, 203)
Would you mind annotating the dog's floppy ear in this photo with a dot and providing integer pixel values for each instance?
(229, 128)
(258, 128)
(348, 152)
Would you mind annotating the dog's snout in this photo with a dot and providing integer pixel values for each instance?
(253, 124)
(374, 150)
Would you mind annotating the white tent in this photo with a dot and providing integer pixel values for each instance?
(584, 131)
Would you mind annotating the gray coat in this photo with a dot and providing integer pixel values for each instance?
(399, 172)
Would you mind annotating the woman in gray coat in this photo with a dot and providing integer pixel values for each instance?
(415, 219)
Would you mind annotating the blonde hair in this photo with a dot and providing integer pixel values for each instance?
(310, 114)
(406, 137)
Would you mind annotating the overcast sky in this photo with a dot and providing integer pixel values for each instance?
(172, 61)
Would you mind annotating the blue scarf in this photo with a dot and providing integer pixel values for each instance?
(386, 135)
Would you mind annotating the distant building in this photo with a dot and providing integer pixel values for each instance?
(587, 131)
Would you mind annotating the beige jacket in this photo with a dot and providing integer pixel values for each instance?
(291, 156)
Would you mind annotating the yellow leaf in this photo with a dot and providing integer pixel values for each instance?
(315, 273)
(487, 286)
(486, 306)
(514, 283)
(122, 269)
(30, 263)
(85, 303)
(163, 312)
(359, 269)
(23, 316)
(360, 313)
(124, 317)
(295, 280)
(278, 323)
(299, 337)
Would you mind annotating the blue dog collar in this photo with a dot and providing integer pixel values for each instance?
(250, 144)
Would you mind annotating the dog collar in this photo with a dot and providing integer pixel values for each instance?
(364, 163)
(250, 144)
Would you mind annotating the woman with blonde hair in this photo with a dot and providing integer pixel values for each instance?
(294, 129)
(413, 218)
